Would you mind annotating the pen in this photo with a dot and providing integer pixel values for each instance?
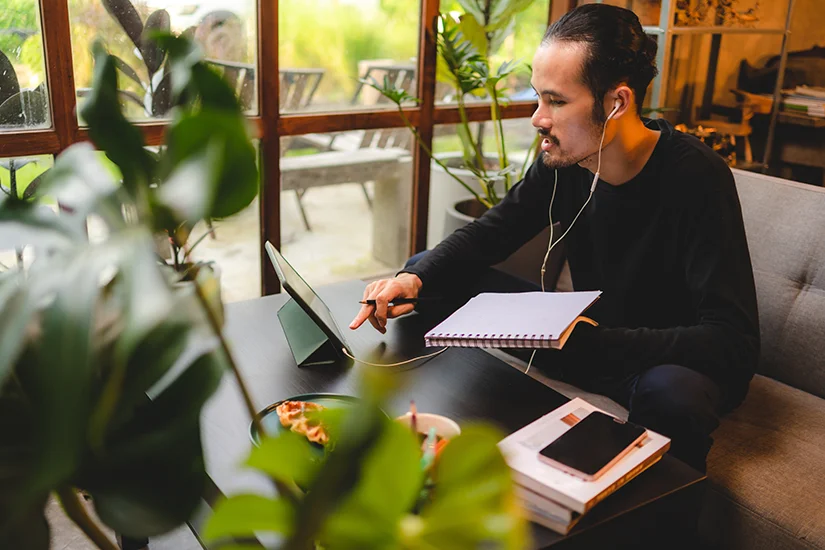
(395, 302)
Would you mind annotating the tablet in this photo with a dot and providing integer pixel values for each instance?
(305, 297)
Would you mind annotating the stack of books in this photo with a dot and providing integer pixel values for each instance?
(807, 100)
(554, 498)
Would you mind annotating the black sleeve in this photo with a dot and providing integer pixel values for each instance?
(724, 343)
(490, 239)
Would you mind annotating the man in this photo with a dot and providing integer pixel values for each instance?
(660, 233)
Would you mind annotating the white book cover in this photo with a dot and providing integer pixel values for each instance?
(521, 451)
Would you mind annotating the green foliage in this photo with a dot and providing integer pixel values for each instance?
(337, 36)
(465, 47)
(370, 492)
(106, 357)
(19, 16)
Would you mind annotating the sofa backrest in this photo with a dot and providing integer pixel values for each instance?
(785, 226)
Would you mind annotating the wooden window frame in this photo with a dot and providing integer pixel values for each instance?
(269, 126)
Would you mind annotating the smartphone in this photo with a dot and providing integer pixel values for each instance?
(592, 445)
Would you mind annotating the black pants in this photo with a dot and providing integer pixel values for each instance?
(673, 400)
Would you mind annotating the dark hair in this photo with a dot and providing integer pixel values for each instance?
(617, 50)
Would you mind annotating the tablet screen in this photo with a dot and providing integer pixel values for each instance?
(295, 285)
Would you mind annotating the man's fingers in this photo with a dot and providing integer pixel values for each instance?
(398, 311)
(376, 324)
(381, 304)
(362, 316)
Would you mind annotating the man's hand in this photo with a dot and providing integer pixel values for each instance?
(405, 285)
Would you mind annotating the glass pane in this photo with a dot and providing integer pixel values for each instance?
(325, 47)
(235, 248)
(24, 98)
(225, 30)
(507, 46)
(21, 176)
(345, 209)
(705, 13)
(445, 192)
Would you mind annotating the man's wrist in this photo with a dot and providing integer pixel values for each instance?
(415, 279)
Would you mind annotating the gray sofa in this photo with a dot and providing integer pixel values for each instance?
(766, 469)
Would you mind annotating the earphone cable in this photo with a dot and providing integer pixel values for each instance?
(551, 244)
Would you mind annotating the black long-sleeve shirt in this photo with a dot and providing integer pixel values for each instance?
(667, 249)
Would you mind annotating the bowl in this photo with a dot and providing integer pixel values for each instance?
(445, 428)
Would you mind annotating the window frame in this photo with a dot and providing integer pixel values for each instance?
(269, 125)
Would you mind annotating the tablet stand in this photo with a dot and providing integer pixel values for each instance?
(308, 343)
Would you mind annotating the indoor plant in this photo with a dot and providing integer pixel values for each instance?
(89, 330)
(374, 490)
(464, 48)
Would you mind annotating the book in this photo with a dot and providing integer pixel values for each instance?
(514, 320)
(546, 512)
(521, 451)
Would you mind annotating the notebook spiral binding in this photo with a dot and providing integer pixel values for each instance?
(470, 340)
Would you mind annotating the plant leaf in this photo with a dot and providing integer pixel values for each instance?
(109, 129)
(360, 430)
(474, 505)
(190, 190)
(23, 223)
(127, 16)
(213, 89)
(183, 56)
(30, 531)
(79, 181)
(474, 8)
(503, 13)
(242, 515)
(16, 311)
(128, 71)
(287, 457)
(153, 52)
(68, 361)
(236, 184)
(146, 300)
(473, 32)
(152, 477)
(388, 485)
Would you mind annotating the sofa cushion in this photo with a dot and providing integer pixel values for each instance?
(766, 471)
(785, 226)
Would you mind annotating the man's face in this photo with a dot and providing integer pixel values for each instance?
(564, 117)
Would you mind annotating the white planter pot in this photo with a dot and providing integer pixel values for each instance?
(445, 192)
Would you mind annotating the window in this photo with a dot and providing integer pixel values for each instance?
(20, 176)
(24, 98)
(224, 29)
(345, 207)
(507, 46)
(326, 47)
(519, 136)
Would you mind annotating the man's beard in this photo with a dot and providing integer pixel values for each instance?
(566, 160)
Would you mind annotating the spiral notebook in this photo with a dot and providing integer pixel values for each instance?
(514, 320)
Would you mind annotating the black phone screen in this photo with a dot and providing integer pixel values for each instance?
(592, 443)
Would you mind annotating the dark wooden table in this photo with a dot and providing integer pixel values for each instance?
(464, 384)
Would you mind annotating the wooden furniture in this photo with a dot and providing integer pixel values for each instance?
(464, 384)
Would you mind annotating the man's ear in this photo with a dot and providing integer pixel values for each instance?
(625, 98)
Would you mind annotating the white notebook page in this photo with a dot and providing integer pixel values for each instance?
(514, 315)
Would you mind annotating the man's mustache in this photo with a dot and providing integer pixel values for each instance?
(546, 134)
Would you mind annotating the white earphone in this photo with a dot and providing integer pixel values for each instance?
(550, 245)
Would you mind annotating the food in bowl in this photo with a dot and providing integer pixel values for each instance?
(293, 415)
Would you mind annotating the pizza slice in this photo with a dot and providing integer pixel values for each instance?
(293, 415)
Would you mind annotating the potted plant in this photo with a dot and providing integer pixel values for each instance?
(465, 47)
(106, 358)
(372, 488)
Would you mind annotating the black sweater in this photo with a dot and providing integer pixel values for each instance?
(667, 249)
